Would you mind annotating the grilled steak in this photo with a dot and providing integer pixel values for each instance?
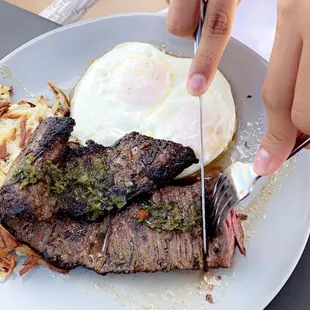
(50, 179)
(157, 233)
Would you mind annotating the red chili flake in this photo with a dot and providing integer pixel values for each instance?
(142, 214)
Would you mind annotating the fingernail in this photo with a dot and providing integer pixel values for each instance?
(197, 84)
(262, 162)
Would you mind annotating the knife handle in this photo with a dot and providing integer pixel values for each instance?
(198, 32)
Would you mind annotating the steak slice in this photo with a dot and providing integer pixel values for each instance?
(51, 179)
(147, 237)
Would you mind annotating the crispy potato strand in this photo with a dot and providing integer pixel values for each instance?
(19, 136)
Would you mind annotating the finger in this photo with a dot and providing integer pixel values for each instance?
(301, 104)
(278, 95)
(183, 17)
(215, 36)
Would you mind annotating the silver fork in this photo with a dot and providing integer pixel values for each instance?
(236, 183)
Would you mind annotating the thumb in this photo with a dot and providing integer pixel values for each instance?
(275, 147)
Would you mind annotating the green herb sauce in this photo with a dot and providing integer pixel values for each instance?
(171, 217)
(86, 182)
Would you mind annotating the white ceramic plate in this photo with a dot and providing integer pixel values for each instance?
(278, 236)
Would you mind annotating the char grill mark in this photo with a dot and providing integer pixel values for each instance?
(51, 179)
(132, 246)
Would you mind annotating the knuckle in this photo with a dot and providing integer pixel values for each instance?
(276, 137)
(285, 9)
(301, 120)
(265, 93)
(178, 28)
(219, 24)
(207, 59)
(271, 101)
(173, 27)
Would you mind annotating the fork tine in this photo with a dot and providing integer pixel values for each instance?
(222, 196)
(217, 219)
(219, 184)
(225, 210)
(219, 201)
(229, 207)
(216, 192)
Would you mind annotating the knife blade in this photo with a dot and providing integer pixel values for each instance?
(203, 7)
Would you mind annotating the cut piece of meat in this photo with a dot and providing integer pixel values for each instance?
(156, 239)
(51, 179)
(222, 247)
(238, 230)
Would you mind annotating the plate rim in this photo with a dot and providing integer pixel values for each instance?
(162, 15)
(274, 293)
(112, 16)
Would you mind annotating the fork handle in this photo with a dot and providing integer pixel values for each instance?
(301, 142)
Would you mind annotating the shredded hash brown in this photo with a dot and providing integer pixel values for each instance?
(17, 124)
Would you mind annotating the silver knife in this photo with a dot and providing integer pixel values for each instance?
(203, 6)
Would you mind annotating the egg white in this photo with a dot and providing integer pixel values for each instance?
(137, 87)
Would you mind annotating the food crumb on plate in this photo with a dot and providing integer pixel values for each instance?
(209, 299)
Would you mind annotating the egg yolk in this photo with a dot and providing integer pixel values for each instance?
(144, 82)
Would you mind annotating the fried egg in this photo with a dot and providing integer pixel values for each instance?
(137, 87)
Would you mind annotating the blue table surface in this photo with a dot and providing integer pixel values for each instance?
(18, 26)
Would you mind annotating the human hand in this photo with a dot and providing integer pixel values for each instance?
(286, 91)
(182, 20)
